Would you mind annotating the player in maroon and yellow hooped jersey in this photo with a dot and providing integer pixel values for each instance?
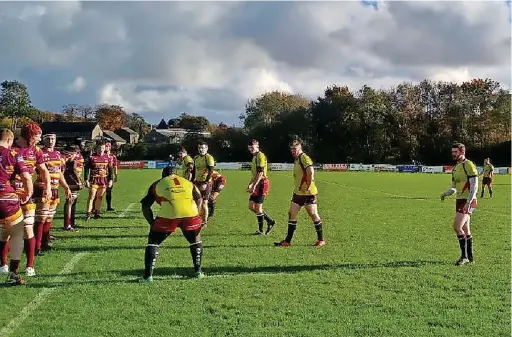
(98, 176)
(46, 206)
(115, 166)
(73, 168)
(11, 216)
(26, 146)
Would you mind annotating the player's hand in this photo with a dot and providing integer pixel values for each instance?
(24, 198)
(110, 183)
(47, 194)
(87, 184)
(69, 195)
(466, 208)
(250, 188)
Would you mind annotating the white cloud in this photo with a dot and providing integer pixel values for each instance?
(77, 85)
(162, 58)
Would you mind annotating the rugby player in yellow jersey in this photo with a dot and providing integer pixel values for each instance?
(465, 185)
(179, 202)
(202, 177)
(488, 177)
(305, 195)
(258, 187)
(185, 164)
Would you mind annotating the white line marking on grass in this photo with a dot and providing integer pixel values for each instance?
(36, 302)
(130, 206)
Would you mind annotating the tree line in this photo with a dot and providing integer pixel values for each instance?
(409, 123)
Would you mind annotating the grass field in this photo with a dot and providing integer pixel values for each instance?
(387, 269)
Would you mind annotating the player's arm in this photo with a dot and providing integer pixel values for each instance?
(307, 163)
(110, 174)
(87, 169)
(472, 173)
(196, 195)
(491, 173)
(210, 163)
(43, 172)
(189, 169)
(115, 165)
(146, 204)
(26, 178)
(449, 191)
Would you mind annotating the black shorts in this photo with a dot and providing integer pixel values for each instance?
(257, 199)
(486, 181)
(304, 200)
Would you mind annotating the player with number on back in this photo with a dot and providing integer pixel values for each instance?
(179, 202)
(305, 195)
(203, 171)
(465, 185)
(258, 187)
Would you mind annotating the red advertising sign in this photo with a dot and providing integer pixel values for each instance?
(335, 167)
(447, 169)
(131, 164)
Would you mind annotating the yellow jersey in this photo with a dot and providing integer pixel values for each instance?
(299, 176)
(460, 176)
(488, 169)
(182, 166)
(175, 195)
(201, 164)
(259, 160)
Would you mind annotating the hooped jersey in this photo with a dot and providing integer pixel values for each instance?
(201, 164)
(176, 195)
(54, 163)
(11, 163)
(300, 176)
(99, 166)
(460, 176)
(259, 160)
(32, 157)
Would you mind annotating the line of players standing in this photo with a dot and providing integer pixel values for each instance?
(28, 207)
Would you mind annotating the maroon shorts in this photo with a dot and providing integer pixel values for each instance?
(459, 206)
(304, 200)
(164, 225)
(10, 212)
(219, 184)
(205, 194)
(486, 180)
(52, 202)
(262, 188)
(99, 182)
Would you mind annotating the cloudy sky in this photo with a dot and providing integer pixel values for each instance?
(207, 58)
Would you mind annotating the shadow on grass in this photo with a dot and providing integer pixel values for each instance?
(77, 236)
(184, 273)
(85, 227)
(406, 197)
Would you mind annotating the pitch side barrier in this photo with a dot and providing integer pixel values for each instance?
(245, 166)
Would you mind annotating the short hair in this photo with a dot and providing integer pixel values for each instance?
(253, 142)
(182, 149)
(169, 169)
(6, 134)
(460, 146)
(295, 142)
(202, 142)
(100, 142)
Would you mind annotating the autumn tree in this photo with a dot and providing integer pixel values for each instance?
(110, 117)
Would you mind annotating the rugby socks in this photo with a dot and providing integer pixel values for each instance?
(196, 249)
(150, 259)
(211, 208)
(73, 212)
(318, 229)
(38, 232)
(45, 240)
(4, 248)
(108, 197)
(260, 218)
(13, 266)
(469, 247)
(490, 192)
(292, 225)
(67, 216)
(462, 244)
(30, 250)
(267, 218)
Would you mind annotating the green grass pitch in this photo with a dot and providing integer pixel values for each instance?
(387, 269)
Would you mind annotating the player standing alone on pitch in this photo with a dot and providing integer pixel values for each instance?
(305, 195)
(98, 176)
(203, 171)
(73, 168)
(115, 166)
(258, 187)
(11, 215)
(465, 185)
(46, 207)
(179, 202)
(488, 177)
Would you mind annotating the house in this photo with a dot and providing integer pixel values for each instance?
(130, 136)
(113, 138)
(73, 131)
(172, 135)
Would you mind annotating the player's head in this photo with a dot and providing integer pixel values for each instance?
(202, 148)
(458, 151)
(253, 146)
(6, 138)
(487, 161)
(49, 140)
(101, 146)
(108, 147)
(182, 153)
(31, 133)
(170, 169)
(295, 147)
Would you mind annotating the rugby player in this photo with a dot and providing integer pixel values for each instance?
(46, 207)
(11, 215)
(465, 186)
(488, 177)
(115, 166)
(305, 195)
(179, 202)
(258, 187)
(185, 164)
(202, 176)
(218, 184)
(73, 168)
(26, 146)
(98, 175)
